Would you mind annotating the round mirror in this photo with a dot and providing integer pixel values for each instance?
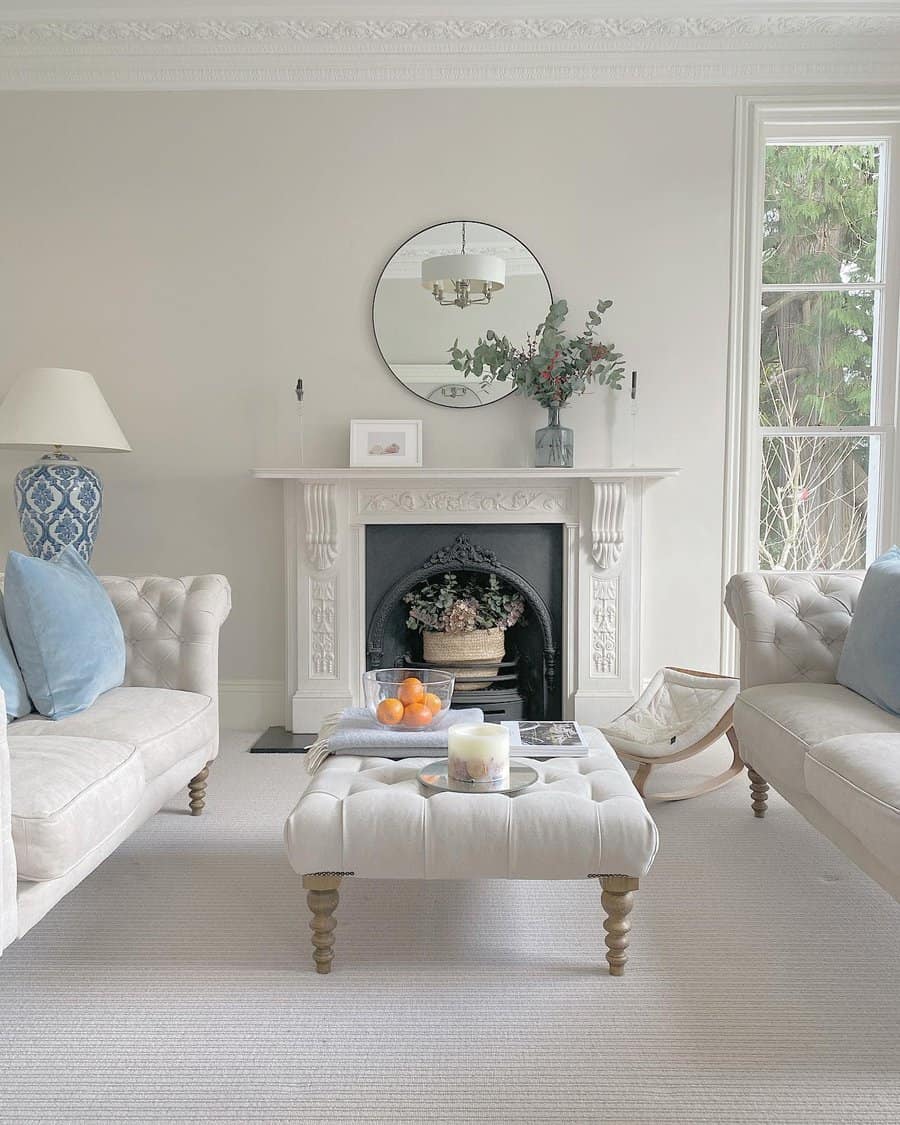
(455, 281)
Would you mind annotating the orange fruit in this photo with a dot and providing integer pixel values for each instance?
(417, 715)
(432, 702)
(411, 690)
(389, 712)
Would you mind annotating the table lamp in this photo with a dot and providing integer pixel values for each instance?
(58, 498)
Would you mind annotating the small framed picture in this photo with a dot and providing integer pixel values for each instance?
(385, 442)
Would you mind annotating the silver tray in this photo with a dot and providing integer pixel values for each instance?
(434, 776)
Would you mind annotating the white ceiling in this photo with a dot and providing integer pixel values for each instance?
(133, 44)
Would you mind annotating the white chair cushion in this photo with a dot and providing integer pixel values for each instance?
(676, 710)
(165, 725)
(857, 780)
(777, 724)
(370, 816)
(68, 795)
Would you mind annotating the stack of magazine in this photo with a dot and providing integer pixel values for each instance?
(553, 739)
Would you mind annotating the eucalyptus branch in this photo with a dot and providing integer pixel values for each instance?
(549, 367)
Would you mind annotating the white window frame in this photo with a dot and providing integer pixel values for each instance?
(760, 120)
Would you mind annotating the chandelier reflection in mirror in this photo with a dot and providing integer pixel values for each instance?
(414, 333)
(471, 278)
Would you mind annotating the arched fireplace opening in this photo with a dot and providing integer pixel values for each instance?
(528, 685)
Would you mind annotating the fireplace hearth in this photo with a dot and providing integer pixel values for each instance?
(527, 557)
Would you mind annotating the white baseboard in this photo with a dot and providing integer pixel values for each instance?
(251, 704)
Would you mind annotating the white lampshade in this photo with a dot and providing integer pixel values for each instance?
(477, 268)
(54, 406)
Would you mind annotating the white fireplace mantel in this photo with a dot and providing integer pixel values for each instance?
(326, 512)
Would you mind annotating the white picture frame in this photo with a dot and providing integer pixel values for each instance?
(385, 443)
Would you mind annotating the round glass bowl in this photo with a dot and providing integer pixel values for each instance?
(407, 698)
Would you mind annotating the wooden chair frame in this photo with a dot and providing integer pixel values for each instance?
(725, 726)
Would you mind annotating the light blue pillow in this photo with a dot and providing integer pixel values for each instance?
(65, 632)
(870, 660)
(17, 701)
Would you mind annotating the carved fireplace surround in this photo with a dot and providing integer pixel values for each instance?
(326, 512)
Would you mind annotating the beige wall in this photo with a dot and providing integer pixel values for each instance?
(199, 252)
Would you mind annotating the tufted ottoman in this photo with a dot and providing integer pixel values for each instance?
(370, 817)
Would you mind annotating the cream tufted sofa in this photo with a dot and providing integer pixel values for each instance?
(72, 790)
(830, 752)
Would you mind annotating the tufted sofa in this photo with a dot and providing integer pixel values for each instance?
(73, 789)
(830, 752)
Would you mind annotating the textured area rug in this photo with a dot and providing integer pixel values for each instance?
(176, 983)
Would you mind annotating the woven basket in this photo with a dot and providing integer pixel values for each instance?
(482, 646)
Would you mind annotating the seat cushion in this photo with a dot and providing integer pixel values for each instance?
(677, 709)
(370, 816)
(68, 795)
(165, 725)
(857, 780)
(778, 723)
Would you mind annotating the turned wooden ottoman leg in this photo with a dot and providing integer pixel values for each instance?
(197, 791)
(322, 897)
(759, 792)
(617, 899)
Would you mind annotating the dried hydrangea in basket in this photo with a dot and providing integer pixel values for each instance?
(463, 618)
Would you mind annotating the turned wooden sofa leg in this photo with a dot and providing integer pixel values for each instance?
(197, 791)
(322, 898)
(759, 792)
(617, 899)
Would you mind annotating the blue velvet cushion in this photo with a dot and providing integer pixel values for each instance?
(65, 632)
(17, 701)
(870, 660)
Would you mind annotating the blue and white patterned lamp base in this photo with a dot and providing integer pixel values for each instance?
(59, 500)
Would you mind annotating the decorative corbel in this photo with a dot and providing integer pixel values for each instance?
(607, 523)
(321, 525)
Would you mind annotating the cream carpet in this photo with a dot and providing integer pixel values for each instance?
(176, 983)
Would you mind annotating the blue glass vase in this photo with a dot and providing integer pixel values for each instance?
(554, 445)
(58, 500)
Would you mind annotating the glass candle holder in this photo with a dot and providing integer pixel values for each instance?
(478, 755)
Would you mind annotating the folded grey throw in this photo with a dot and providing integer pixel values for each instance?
(354, 731)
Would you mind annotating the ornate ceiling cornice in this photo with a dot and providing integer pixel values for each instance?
(189, 53)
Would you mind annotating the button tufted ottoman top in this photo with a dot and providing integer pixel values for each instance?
(371, 817)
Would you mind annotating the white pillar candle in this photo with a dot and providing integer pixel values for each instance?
(478, 753)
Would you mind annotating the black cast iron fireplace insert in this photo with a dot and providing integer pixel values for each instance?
(527, 556)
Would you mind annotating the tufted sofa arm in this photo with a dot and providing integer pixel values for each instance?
(792, 624)
(171, 628)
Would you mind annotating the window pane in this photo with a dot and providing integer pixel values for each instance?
(816, 359)
(821, 214)
(814, 502)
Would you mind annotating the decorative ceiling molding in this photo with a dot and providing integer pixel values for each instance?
(192, 53)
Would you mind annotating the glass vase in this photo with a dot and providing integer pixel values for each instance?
(554, 445)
